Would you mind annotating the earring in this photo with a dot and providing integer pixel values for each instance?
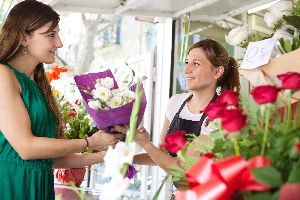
(218, 90)
(24, 50)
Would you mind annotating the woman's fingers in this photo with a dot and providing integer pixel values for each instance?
(119, 128)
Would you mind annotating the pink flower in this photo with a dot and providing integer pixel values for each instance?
(233, 120)
(265, 94)
(290, 80)
(214, 110)
(228, 98)
(175, 141)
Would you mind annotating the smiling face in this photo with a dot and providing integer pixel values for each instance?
(42, 44)
(199, 72)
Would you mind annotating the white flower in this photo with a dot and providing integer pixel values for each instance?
(117, 92)
(115, 102)
(129, 94)
(94, 104)
(282, 33)
(115, 158)
(237, 35)
(107, 82)
(270, 19)
(277, 11)
(101, 93)
(281, 8)
(114, 189)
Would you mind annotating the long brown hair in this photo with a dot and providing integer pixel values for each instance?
(24, 18)
(218, 56)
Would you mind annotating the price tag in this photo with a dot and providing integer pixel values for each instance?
(258, 53)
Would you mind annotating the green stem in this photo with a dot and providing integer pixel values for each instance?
(265, 136)
(289, 109)
(235, 146)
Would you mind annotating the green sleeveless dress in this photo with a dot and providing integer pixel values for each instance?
(28, 179)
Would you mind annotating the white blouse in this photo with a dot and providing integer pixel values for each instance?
(173, 107)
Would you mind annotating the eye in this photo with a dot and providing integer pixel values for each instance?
(51, 35)
(186, 62)
(196, 63)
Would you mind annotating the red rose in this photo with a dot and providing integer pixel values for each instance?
(290, 80)
(233, 120)
(175, 141)
(214, 110)
(298, 147)
(228, 98)
(265, 94)
(209, 155)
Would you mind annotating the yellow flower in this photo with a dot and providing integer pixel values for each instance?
(56, 92)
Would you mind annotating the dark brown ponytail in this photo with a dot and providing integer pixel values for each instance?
(230, 80)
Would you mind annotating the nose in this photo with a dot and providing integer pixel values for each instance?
(187, 68)
(58, 42)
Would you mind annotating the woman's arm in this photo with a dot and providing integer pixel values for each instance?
(16, 127)
(154, 155)
(79, 160)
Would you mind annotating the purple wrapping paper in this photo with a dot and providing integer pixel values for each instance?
(104, 119)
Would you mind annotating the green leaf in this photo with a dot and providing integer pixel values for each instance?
(293, 20)
(268, 176)
(258, 196)
(159, 189)
(294, 176)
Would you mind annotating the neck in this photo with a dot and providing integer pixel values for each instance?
(201, 98)
(23, 63)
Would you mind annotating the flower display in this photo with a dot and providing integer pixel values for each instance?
(254, 151)
(106, 103)
(283, 17)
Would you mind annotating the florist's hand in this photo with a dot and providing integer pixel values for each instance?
(142, 137)
(101, 140)
(120, 129)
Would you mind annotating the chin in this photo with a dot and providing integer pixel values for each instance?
(49, 61)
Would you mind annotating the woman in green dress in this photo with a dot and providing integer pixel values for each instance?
(31, 127)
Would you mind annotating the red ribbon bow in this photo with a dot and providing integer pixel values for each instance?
(219, 180)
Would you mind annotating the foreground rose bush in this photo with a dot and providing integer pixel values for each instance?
(175, 141)
(265, 94)
(290, 80)
(233, 120)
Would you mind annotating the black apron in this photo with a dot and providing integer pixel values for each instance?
(191, 127)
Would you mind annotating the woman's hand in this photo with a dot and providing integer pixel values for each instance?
(142, 138)
(120, 129)
(101, 140)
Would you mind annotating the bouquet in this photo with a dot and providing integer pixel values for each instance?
(254, 151)
(106, 103)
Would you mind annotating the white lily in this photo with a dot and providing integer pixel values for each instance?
(115, 158)
(237, 35)
(115, 188)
